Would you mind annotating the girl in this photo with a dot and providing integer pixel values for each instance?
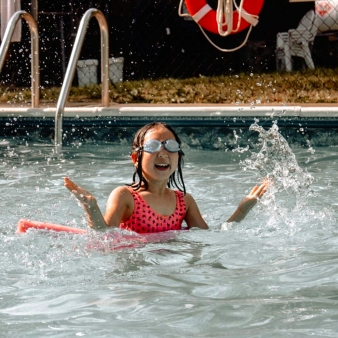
(148, 204)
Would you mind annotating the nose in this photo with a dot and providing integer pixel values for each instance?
(162, 153)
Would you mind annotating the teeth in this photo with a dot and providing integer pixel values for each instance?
(162, 165)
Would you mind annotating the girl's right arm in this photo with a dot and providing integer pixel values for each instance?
(117, 206)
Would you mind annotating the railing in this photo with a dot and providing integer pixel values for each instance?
(72, 67)
(35, 76)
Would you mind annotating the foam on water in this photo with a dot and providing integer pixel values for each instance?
(287, 200)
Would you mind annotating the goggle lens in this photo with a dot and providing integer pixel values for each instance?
(153, 146)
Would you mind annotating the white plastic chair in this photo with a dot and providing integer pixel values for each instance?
(297, 42)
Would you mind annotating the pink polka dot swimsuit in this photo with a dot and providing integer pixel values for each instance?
(146, 220)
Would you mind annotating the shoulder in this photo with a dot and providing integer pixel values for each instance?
(123, 194)
(189, 200)
(191, 205)
(120, 206)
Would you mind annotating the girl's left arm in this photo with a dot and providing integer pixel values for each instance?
(193, 216)
(248, 202)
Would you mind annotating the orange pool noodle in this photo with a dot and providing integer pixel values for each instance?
(24, 225)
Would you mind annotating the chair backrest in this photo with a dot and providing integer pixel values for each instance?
(308, 26)
(282, 38)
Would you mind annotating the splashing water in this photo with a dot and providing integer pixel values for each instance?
(291, 188)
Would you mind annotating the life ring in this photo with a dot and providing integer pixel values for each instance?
(205, 16)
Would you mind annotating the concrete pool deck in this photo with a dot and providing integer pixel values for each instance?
(95, 109)
(91, 114)
(326, 108)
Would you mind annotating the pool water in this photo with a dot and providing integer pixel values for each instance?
(273, 275)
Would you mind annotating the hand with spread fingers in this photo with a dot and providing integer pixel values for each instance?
(94, 216)
(85, 197)
(249, 201)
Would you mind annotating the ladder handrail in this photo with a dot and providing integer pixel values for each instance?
(92, 12)
(35, 76)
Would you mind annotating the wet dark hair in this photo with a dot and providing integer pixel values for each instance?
(175, 179)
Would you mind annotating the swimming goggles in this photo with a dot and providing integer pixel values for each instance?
(152, 146)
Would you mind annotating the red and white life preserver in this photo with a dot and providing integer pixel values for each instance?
(327, 15)
(205, 16)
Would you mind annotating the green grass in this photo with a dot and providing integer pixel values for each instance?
(318, 86)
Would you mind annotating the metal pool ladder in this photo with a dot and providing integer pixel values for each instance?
(93, 12)
(35, 76)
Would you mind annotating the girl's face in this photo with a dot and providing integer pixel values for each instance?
(158, 166)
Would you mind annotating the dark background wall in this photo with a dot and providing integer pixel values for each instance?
(154, 41)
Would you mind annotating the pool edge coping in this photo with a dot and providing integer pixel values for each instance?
(324, 111)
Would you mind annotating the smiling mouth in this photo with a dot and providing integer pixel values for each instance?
(162, 166)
